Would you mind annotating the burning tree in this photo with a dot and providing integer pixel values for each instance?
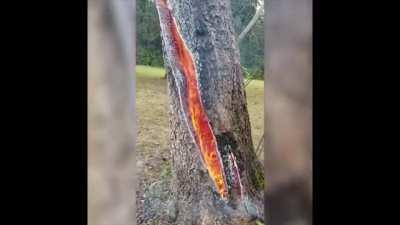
(217, 176)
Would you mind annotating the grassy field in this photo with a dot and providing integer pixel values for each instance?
(153, 128)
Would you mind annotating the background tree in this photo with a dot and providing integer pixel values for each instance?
(206, 28)
(259, 13)
(148, 42)
(249, 27)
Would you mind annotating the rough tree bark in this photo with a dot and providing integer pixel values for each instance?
(206, 28)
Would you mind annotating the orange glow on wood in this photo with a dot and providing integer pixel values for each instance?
(202, 129)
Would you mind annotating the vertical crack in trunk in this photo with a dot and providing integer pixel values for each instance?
(185, 74)
(236, 175)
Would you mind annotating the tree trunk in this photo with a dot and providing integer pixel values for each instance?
(111, 114)
(289, 113)
(205, 31)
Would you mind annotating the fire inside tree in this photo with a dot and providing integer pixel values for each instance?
(200, 128)
(210, 128)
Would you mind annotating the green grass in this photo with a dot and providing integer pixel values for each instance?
(255, 106)
(150, 72)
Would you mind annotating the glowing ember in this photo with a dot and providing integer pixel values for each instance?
(203, 133)
(238, 183)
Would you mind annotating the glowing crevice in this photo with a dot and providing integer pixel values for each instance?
(191, 100)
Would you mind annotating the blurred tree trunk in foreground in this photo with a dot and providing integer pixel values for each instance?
(288, 108)
(206, 27)
(111, 116)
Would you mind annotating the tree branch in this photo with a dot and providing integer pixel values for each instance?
(259, 12)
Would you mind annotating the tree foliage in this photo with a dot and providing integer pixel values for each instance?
(148, 41)
(252, 46)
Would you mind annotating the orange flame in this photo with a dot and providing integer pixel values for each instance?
(202, 128)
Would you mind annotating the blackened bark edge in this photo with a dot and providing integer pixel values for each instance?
(206, 26)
